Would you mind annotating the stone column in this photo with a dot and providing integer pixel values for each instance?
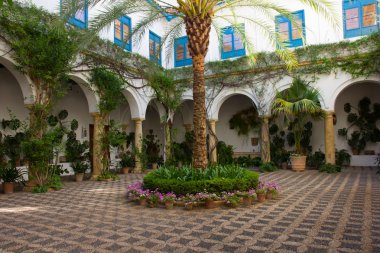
(138, 143)
(97, 144)
(213, 154)
(329, 137)
(188, 127)
(265, 140)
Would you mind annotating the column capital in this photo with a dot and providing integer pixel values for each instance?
(329, 112)
(213, 120)
(138, 119)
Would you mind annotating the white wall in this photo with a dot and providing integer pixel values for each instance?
(229, 108)
(11, 97)
(318, 30)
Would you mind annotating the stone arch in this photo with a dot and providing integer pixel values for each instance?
(330, 105)
(213, 113)
(23, 80)
(137, 103)
(92, 99)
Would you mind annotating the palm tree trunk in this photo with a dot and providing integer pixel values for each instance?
(199, 118)
(198, 30)
(168, 141)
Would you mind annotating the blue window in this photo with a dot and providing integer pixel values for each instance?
(123, 32)
(155, 47)
(290, 34)
(181, 52)
(360, 17)
(80, 19)
(233, 45)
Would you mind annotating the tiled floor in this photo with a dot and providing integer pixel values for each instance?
(316, 213)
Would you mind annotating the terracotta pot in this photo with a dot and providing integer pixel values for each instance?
(298, 163)
(189, 207)
(79, 177)
(210, 204)
(125, 170)
(142, 202)
(261, 197)
(169, 205)
(355, 151)
(218, 203)
(247, 201)
(154, 166)
(269, 195)
(284, 165)
(8, 187)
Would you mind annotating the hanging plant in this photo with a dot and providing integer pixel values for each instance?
(245, 121)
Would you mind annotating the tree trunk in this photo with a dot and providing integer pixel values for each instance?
(198, 30)
(199, 118)
(168, 141)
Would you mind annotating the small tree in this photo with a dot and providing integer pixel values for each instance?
(299, 102)
(169, 93)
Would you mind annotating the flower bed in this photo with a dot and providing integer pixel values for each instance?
(216, 179)
(154, 198)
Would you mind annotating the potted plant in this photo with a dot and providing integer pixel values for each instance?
(299, 102)
(208, 198)
(261, 192)
(169, 199)
(232, 199)
(154, 198)
(127, 163)
(273, 189)
(248, 197)
(342, 157)
(80, 169)
(10, 175)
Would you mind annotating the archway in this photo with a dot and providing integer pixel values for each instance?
(11, 96)
(232, 109)
(353, 93)
(183, 121)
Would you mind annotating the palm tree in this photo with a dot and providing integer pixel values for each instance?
(299, 102)
(199, 17)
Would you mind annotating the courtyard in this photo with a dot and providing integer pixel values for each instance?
(316, 212)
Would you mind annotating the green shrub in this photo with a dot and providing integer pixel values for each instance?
(225, 153)
(215, 179)
(247, 161)
(268, 167)
(330, 168)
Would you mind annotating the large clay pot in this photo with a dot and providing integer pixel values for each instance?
(247, 201)
(269, 195)
(261, 197)
(154, 166)
(210, 204)
(142, 202)
(8, 187)
(169, 205)
(298, 163)
(79, 177)
(125, 170)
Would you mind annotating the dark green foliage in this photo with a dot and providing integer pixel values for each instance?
(330, 168)
(41, 189)
(80, 167)
(127, 160)
(247, 161)
(315, 160)
(107, 175)
(214, 179)
(152, 147)
(245, 121)
(183, 152)
(55, 182)
(342, 157)
(225, 153)
(10, 174)
(363, 120)
(378, 164)
(76, 151)
(109, 88)
(268, 167)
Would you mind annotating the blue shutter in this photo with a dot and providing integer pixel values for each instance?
(186, 61)
(157, 41)
(293, 42)
(361, 30)
(76, 22)
(347, 5)
(234, 52)
(369, 29)
(120, 42)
